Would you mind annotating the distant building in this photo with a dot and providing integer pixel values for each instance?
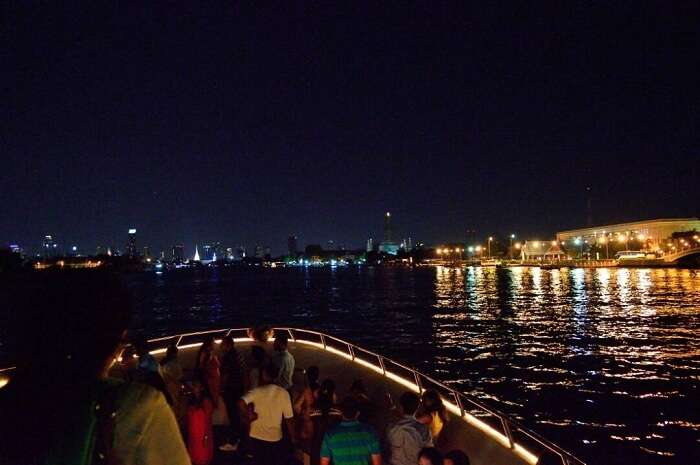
(370, 245)
(229, 253)
(388, 245)
(207, 252)
(259, 252)
(196, 254)
(542, 250)
(240, 252)
(131, 251)
(146, 252)
(292, 246)
(178, 253)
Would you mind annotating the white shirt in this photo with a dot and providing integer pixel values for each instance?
(272, 403)
(285, 361)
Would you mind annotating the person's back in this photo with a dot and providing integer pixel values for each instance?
(271, 404)
(284, 360)
(63, 408)
(350, 442)
(406, 437)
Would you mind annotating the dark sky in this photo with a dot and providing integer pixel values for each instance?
(243, 123)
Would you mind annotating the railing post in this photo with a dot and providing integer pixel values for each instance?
(291, 334)
(351, 349)
(323, 341)
(506, 429)
(458, 401)
(179, 340)
(381, 364)
(418, 383)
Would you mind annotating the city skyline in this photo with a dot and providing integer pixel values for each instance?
(311, 121)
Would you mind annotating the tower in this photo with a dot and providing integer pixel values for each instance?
(196, 254)
(387, 227)
(131, 244)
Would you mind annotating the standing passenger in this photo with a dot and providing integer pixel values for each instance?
(171, 371)
(200, 436)
(207, 367)
(284, 360)
(233, 386)
(258, 361)
(407, 436)
(271, 406)
(351, 442)
(432, 412)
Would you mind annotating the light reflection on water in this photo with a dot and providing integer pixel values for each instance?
(605, 362)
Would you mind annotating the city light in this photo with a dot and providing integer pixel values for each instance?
(640, 237)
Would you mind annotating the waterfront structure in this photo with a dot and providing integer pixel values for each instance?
(541, 250)
(131, 251)
(653, 235)
(196, 254)
(292, 245)
(388, 245)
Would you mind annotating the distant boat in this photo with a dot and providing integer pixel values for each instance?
(490, 262)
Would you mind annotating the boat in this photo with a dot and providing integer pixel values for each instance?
(490, 262)
(488, 436)
(549, 266)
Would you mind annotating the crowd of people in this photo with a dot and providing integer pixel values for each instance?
(145, 411)
(247, 402)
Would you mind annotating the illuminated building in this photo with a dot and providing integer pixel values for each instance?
(131, 251)
(258, 251)
(146, 252)
(370, 245)
(196, 254)
(388, 245)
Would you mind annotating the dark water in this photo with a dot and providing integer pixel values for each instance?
(605, 362)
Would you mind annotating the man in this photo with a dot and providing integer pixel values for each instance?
(284, 360)
(407, 436)
(351, 442)
(264, 408)
(62, 406)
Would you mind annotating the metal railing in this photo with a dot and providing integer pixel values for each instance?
(463, 405)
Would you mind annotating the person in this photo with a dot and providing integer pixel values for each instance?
(171, 371)
(64, 408)
(200, 433)
(432, 412)
(429, 456)
(207, 368)
(323, 417)
(359, 393)
(258, 359)
(407, 436)
(350, 442)
(306, 402)
(263, 409)
(455, 457)
(284, 360)
(233, 385)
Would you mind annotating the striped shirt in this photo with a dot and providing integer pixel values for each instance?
(350, 443)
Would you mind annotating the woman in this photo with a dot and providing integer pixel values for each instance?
(323, 418)
(305, 402)
(432, 412)
(207, 368)
(200, 436)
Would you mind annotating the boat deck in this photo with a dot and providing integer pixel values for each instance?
(483, 444)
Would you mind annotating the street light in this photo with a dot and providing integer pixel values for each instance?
(490, 239)
(512, 236)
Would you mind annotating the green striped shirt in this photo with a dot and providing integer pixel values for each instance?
(350, 443)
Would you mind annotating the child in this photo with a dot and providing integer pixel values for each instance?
(200, 440)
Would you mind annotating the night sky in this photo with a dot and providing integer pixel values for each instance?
(245, 124)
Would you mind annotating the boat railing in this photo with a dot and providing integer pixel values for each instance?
(507, 431)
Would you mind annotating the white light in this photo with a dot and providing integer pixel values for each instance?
(132, 231)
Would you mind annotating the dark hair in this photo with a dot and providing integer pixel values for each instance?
(409, 402)
(431, 454)
(206, 347)
(458, 457)
(258, 354)
(349, 408)
(205, 392)
(432, 402)
(170, 354)
(312, 375)
(281, 338)
(228, 340)
(272, 371)
(80, 317)
(325, 396)
(260, 333)
(358, 386)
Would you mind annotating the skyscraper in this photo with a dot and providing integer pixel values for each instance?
(178, 253)
(131, 251)
(292, 246)
(387, 227)
(370, 245)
